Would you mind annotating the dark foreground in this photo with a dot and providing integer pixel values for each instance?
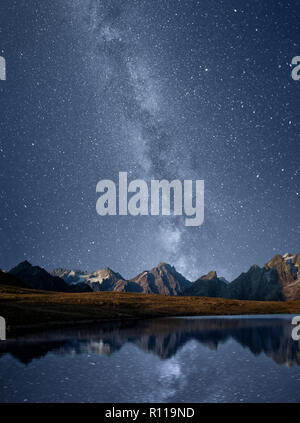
(26, 309)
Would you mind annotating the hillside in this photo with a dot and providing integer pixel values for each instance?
(25, 309)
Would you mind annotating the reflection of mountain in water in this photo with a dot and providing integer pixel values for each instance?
(163, 337)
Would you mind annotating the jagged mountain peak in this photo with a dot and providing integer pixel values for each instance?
(276, 260)
(210, 275)
(165, 266)
(254, 268)
(23, 265)
(162, 279)
(38, 278)
(110, 271)
(278, 279)
(106, 273)
(287, 255)
(60, 272)
(208, 285)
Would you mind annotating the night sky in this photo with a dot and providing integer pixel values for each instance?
(159, 89)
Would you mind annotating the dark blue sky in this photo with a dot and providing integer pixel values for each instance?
(165, 89)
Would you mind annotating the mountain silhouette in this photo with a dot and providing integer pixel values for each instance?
(164, 337)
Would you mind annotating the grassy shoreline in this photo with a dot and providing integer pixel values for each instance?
(27, 310)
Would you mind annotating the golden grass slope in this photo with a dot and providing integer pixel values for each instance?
(28, 308)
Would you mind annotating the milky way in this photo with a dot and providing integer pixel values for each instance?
(158, 89)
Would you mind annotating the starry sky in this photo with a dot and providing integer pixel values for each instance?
(164, 89)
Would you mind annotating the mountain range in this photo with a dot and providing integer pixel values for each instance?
(163, 279)
(277, 280)
(26, 275)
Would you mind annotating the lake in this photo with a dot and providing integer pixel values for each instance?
(200, 359)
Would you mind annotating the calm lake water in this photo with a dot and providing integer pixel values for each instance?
(201, 359)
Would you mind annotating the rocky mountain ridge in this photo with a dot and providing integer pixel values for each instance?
(38, 278)
(277, 280)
